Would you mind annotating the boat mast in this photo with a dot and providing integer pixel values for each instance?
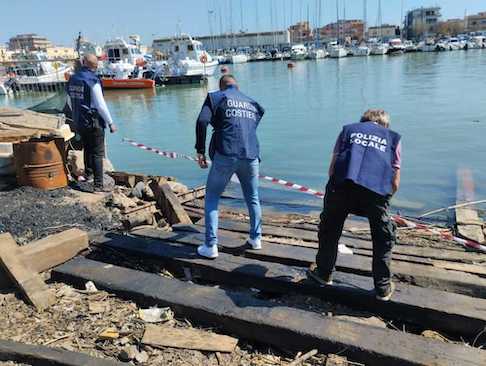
(257, 25)
(337, 21)
(241, 17)
(365, 17)
(380, 21)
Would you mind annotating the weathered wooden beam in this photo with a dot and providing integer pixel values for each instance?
(169, 204)
(49, 252)
(25, 278)
(54, 249)
(239, 313)
(48, 356)
(311, 238)
(416, 274)
(160, 336)
(468, 223)
(196, 193)
(434, 309)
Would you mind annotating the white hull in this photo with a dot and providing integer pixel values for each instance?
(337, 52)
(428, 48)
(239, 59)
(198, 68)
(54, 77)
(361, 52)
(378, 50)
(298, 56)
(317, 54)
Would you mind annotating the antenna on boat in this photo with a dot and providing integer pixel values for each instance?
(241, 17)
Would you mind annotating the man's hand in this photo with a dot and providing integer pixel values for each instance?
(113, 128)
(201, 160)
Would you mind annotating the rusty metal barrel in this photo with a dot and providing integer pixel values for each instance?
(41, 163)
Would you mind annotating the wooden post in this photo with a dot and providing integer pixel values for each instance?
(169, 204)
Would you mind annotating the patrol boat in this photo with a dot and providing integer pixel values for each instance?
(187, 57)
(123, 66)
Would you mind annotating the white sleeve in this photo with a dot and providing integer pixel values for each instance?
(98, 102)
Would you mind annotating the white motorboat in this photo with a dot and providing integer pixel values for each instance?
(409, 46)
(39, 71)
(361, 51)
(298, 52)
(455, 44)
(396, 47)
(317, 53)
(379, 49)
(190, 58)
(428, 45)
(337, 51)
(239, 58)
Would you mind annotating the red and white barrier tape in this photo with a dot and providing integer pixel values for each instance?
(445, 234)
(174, 155)
(470, 244)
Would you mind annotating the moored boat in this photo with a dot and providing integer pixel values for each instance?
(298, 52)
(138, 83)
(337, 51)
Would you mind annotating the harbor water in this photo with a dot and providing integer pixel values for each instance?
(437, 101)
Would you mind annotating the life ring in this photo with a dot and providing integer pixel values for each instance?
(204, 58)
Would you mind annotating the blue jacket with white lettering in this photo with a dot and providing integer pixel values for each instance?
(235, 118)
(366, 156)
(79, 91)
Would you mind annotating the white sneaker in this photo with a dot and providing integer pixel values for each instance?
(255, 244)
(208, 252)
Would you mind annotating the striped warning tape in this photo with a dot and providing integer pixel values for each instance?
(280, 182)
(445, 234)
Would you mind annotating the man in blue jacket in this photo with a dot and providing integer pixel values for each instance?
(90, 117)
(234, 149)
(363, 175)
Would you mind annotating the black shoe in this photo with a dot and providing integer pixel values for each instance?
(314, 274)
(387, 295)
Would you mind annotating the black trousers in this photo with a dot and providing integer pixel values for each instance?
(341, 200)
(94, 151)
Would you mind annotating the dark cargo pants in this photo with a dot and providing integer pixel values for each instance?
(94, 151)
(341, 200)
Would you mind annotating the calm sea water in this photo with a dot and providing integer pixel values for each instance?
(436, 101)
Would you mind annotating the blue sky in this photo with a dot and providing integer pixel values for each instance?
(99, 20)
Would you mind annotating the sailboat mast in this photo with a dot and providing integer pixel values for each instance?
(365, 16)
(337, 21)
(241, 16)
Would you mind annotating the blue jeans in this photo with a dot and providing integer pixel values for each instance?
(222, 169)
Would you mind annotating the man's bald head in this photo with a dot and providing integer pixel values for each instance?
(226, 81)
(90, 61)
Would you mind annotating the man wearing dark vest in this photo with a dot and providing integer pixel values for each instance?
(363, 175)
(234, 149)
(90, 118)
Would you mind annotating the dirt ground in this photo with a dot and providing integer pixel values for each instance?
(75, 322)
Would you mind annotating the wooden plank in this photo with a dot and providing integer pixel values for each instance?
(42, 355)
(196, 193)
(430, 308)
(169, 204)
(241, 314)
(416, 274)
(157, 336)
(49, 252)
(311, 238)
(53, 250)
(468, 223)
(26, 279)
